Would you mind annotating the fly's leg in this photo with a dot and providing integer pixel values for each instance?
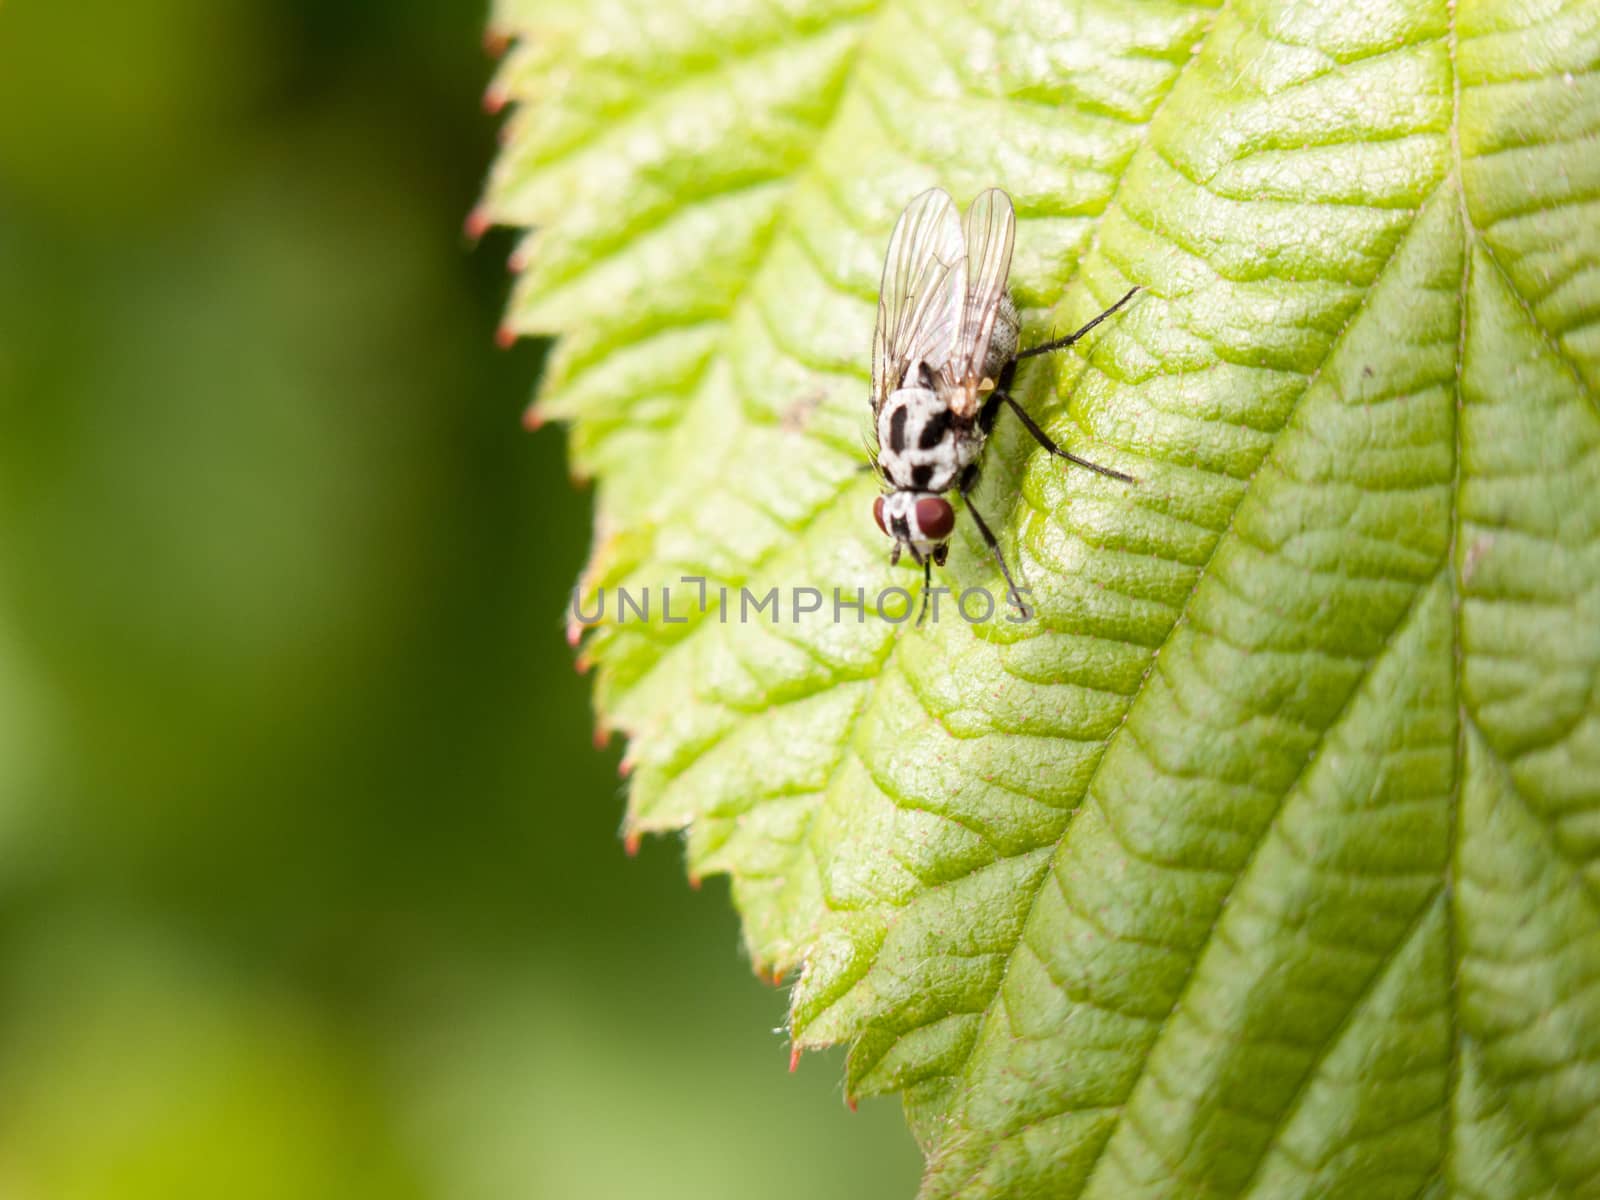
(969, 480)
(1002, 395)
(1062, 343)
(991, 409)
(935, 559)
(991, 406)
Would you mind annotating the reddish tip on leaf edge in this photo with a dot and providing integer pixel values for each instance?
(532, 419)
(694, 882)
(851, 1101)
(625, 767)
(794, 1059)
(477, 223)
(777, 976)
(496, 43)
(516, 262)
(602, 737)
(583, 664)
(630, 845)
(505, 337)
(494, 100)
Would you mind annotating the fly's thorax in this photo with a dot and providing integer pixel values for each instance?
(905, 415)
(918, 521)
(922, 445)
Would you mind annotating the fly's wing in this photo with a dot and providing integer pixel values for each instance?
(920, 296)
(991, 230)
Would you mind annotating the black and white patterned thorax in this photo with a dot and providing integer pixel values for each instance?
(923, 448)
(922, 445)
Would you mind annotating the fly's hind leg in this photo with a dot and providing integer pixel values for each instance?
(1002, 395)
(1062, 343)
(969, 480)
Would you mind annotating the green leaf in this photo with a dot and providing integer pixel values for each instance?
(1267, 862)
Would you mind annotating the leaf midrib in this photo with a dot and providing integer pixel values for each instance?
(1178, 624)
(1472, 239)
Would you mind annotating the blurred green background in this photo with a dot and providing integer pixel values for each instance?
(309, 876)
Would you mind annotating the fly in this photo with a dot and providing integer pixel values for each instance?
(944, 356)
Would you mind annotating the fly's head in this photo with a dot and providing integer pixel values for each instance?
(919, 522)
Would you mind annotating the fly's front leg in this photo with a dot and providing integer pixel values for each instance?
(969, 480)
(935, 559)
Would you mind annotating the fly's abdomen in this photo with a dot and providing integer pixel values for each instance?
(1003, 342)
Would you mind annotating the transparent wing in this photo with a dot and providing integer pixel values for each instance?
(991, 230)
(920, 297)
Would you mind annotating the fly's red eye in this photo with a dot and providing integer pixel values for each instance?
(936, 518)
(877, 515)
